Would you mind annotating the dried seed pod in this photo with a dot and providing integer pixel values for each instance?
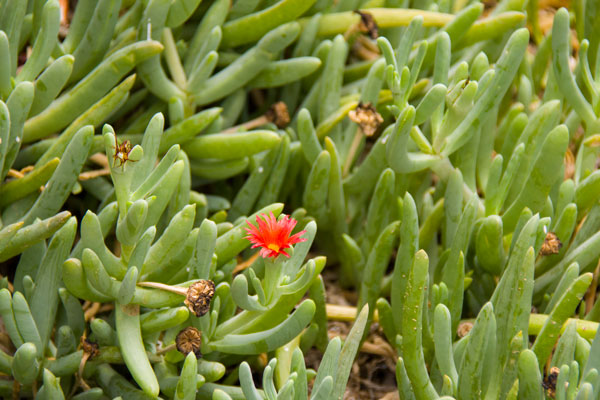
(367, 24)
(189, 340)
(89, 347)
(367, 117)
(549, 382)
(278, 114)
(90, 350)
(199, 295)
(551, 245)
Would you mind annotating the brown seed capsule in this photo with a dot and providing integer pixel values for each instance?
(199, 295)
(550, 380)
(189, 340)
(278, 114)
(464, 328)
(551, 245)
(367, 117)
(367, 24)
(89, 347)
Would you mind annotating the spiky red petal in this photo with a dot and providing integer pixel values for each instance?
(273, 236)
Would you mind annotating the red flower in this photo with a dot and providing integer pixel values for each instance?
(272, 235)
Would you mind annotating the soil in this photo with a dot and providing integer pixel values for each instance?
(372, 376)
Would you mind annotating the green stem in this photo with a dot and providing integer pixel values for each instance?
(337, 23)
(273, 270)
(586, 329)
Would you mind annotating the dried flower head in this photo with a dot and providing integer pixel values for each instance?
(550, 380)
(367, 117)
(273, 236)
(199, 295)
(464, 328)
(367, 24)
(278, 114)
(122, 152)
(90, 348)
(189, 340)
(551, 245)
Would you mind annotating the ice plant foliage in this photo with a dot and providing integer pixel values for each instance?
(358, 125)
(273, 236)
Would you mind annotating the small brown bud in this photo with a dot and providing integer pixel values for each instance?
(278, 114)
(367, 117)
(89, 347)
(464, 328)
(199, 295)
(550, 380)
(367, 24)
(551, 245)
(189, 340)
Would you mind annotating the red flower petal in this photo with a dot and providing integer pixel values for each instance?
(273, 236)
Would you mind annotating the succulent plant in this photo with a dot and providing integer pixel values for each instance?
(439, 157)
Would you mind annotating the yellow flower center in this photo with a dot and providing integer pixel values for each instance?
(273, 246)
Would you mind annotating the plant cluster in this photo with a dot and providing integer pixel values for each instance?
(441, 158)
